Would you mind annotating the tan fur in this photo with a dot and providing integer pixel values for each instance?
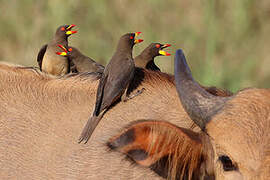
(242, 129)
(41, 118)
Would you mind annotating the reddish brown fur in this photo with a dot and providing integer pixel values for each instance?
(160, 139)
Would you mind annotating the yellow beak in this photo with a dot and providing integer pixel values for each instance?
(137, 40)
(61, 53)
(71, 32)
(164, 53)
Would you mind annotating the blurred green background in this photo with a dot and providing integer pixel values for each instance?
(226, 42)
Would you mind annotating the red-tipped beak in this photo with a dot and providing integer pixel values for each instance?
(136, 41)
(164, 53)
(62, 47)
(61, 53)
(166, 45)
(68, 29)
(71, 32)
(137, 33)
(70, 26)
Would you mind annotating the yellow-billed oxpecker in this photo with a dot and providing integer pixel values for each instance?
(146, 58)
(79, 62)
(47, 60)
(114, 81)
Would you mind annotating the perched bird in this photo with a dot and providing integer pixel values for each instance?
(114, 81)
(80, 62)
(47, 60)
(146, 58)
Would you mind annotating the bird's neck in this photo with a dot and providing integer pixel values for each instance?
(142, 60)
(61, 40)
(147, 56)
(124, 48)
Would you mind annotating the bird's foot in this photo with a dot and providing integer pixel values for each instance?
(126, 98)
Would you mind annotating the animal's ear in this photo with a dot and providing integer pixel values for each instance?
(170, 151)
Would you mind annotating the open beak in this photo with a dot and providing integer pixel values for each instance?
(136, 41)
(71, 26)
(69, 32)
(165, 46)
(61, 53)
(64, 53)
(164, 53)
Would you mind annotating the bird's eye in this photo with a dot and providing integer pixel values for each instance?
(157, 45)
(69, 49)
(62, 28)
(227, 163)
(131, 37)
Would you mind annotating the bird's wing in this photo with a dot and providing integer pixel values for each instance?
(151, 66)
(98, 67)
(117, 82)
(41, 55)
(100, 92)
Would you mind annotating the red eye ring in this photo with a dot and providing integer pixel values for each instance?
(157, 45)
(131, 37)
(69, 49)
(62, 28)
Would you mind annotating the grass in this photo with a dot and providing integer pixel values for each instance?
(226, 42)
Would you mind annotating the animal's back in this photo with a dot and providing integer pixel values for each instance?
(41, 118)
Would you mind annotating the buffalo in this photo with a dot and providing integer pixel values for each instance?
(41, 117)
(233, 141)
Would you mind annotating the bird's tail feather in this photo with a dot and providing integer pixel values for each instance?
(89, 128)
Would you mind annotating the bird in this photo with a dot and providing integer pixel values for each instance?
(146, 58)
(114, 82)
(47, 60)
(78, 62)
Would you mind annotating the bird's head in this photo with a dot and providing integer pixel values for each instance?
(65, 30)
(156, 49)
(129, 40)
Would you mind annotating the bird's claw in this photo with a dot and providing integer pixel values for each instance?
(133, 95)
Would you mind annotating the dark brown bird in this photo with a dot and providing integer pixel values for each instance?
(47, 60)
(114, 81)
(79, 62)
(146, 58)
